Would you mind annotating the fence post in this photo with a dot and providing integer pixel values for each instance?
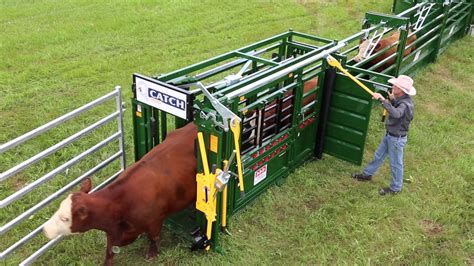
(401, 48)
(441, 31)
(118, 99)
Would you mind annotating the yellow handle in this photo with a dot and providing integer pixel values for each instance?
(206, 180)
(209, 232)
(224, 200)
(334, 63)
(235, 127)
(202, 149)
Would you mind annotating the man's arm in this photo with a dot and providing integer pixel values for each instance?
(394, 112)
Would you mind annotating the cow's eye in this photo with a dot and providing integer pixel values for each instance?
(64, 219)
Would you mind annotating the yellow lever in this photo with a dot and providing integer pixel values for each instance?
(224, 200)
(206, 192)
(334, 63)
(235, 128)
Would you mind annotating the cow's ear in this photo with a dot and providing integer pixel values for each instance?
(86, 185)
(82, 212)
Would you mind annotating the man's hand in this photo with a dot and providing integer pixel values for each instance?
(377, 96)
(391, 96)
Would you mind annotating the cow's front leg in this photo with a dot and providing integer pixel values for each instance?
(109, 254)
(154, 237)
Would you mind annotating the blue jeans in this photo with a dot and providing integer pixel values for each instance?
(393, 147)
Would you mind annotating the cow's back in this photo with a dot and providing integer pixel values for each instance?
(164, 180)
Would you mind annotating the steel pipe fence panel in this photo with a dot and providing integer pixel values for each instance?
(50, 244)
(17, 195)
(17, 141)
(56, 195)
(31, 187)
(57, 146)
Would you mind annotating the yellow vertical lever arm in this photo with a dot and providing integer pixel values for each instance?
(235, 128)
(224, 200)
(202, 149)
(205, 198)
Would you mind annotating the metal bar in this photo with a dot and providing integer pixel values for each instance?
(377, 54)
(56, 147)
(55, 195)
(303, 46)
(368, 72)
(362, 32)
(460, 13)
(272, 95)
(38, 230)
(350, 50)
(283, 72)
(426, 25)
(424, 37)
(453, 9)
(17, 195)
(232, 64)
(311, 69)
(21, 242)
(220, 58)
(311, 37)
(382, 62)
(107, 181)
(12, 143)
(41, 250)
(118, 102)
(284, 64)
(257, 59)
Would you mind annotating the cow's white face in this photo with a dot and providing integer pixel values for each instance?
(61, 221)
(362, 48)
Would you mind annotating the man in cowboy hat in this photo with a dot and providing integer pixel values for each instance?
(400, 113)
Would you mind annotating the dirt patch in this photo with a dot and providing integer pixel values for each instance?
(313, 204)
(431, 228)
(19, 184)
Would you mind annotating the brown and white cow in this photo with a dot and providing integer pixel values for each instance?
(161, 183)
(383, 43)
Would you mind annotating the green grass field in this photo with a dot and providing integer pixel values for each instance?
(58, 55)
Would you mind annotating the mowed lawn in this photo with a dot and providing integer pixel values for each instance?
(58, 55)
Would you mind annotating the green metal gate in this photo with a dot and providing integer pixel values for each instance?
(283, 124)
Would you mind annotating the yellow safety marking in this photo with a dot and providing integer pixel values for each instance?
(224, 199)
(235, 127)
(202, 149)
(209, 232)
(334, 63)
(213, 146)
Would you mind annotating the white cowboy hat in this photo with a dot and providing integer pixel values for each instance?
(405, 83)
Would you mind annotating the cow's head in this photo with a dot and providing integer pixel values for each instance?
(71, 211)
(362, 47)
